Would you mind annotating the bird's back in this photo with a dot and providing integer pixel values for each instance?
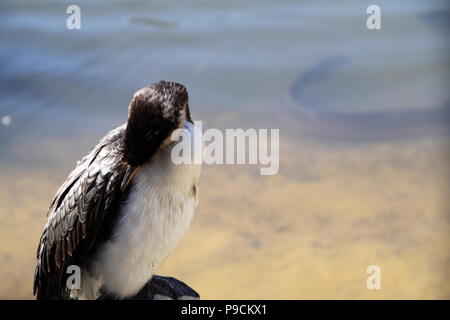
(79, 215)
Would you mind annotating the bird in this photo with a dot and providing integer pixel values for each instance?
(125, 206)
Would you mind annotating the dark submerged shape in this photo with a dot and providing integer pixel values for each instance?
(85, 208)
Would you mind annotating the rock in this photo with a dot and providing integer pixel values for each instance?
(162, 288)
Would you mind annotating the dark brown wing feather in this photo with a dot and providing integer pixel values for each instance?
(76, 215)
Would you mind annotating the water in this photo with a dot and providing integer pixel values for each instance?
(235, 58)
(310, 68)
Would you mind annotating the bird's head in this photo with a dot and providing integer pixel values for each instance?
(154, 112)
